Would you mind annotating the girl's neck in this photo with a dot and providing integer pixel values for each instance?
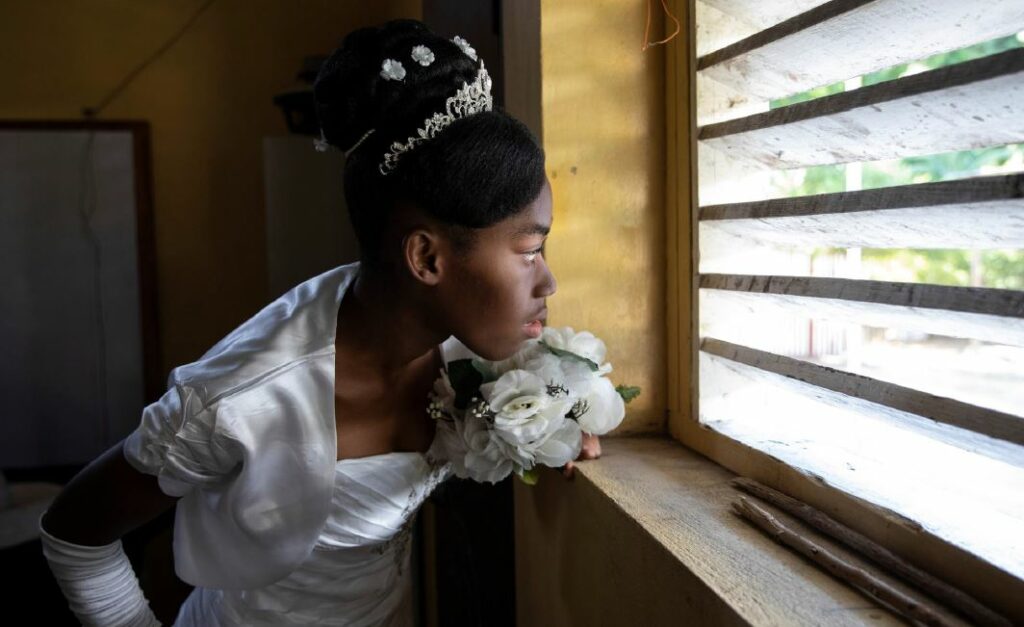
(381, 327)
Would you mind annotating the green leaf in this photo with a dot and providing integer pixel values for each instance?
(569, 355)
(466, 380)
(529, 477)
(627, 392)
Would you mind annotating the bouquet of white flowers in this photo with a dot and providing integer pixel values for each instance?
(497, 417)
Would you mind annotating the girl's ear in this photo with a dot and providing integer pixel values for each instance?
(422, 252)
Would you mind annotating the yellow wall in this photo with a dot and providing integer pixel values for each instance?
(604, 126)
(580, 560)
(208, 100)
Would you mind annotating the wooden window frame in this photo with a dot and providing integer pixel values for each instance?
(900, 534)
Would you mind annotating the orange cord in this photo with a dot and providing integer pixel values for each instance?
(647, 28)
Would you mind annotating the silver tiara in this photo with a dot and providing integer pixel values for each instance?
(471, 98)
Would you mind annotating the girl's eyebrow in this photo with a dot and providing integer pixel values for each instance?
(531, 229)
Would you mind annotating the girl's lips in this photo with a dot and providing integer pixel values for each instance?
(534, 329)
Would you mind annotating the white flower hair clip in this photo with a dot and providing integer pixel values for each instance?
(422, 55)
(465, 47)
(392, 70)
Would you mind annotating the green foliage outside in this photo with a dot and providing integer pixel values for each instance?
(998, 268)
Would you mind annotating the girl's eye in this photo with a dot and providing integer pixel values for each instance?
(532, 255)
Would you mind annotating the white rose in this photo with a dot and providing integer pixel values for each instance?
(585, 344)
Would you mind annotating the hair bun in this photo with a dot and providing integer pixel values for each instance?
(352, 97)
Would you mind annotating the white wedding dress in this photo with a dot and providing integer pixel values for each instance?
(270, 527)
(358, 572)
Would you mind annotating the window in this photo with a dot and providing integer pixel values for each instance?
(857, 266)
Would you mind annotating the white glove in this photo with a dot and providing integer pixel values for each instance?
(98, 582)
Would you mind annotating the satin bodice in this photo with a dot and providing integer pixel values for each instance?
(358, 572)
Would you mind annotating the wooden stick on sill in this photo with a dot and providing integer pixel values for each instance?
(936, 588)
(868, 584)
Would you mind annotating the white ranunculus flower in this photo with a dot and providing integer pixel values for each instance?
(560, 447)
(585, 344)
(520, 418)
(530, 421)
(487, 457)
(547, 366)
(577, 377)
(524, 411)
(474, 451)
(606, 409)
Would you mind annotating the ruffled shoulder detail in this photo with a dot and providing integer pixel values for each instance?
(246, 437)
(179, 442)
(259, 526)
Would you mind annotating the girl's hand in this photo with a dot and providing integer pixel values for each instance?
(591, 450)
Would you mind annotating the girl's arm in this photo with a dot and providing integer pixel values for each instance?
(104, 501)
(81, 537)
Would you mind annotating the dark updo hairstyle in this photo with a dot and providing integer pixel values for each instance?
(476, 172)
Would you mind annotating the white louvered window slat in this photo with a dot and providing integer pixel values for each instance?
(860, 237)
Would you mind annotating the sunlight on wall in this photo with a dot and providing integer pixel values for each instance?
(603, 121)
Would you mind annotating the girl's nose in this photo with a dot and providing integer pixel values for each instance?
(550, 285)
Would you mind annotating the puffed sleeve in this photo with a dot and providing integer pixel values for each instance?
(246, 436)
(254, 466)
(180, 442)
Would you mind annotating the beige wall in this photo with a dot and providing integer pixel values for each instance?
(208, 100)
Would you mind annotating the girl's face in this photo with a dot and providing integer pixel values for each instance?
(495, 299)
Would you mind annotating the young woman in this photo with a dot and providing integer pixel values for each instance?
(298, 448)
